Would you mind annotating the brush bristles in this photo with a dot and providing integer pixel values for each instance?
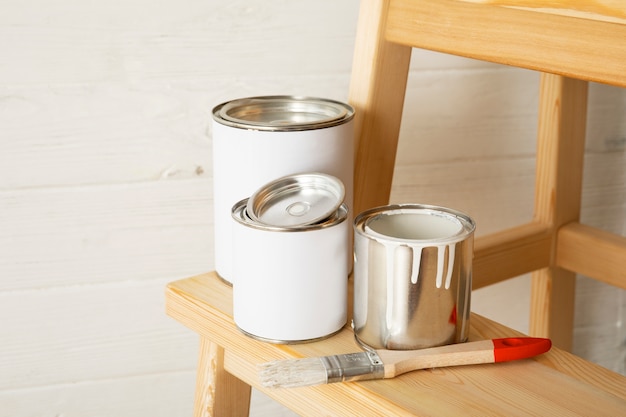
(292, 373)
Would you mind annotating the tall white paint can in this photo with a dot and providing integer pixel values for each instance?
(259, 139)
(290, 268)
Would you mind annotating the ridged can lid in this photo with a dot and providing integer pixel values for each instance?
(297, 200)
(282, 113)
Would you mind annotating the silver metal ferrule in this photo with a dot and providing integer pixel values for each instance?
(353, 367)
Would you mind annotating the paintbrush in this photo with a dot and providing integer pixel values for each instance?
(381, 363)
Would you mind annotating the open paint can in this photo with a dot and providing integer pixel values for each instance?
(412, 276)
(259, 139)
(291, 240)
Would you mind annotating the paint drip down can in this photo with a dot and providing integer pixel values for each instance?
(289, 267)
(412, 276)
(259, 139)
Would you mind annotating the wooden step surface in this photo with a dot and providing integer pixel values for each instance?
(556, 383)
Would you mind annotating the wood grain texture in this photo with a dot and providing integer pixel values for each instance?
(551, 42)
(534, 388)
(560, 149)
(510, 253)
(561, 118)
(377, 87)
(602, 10)
(398, 362)
(218, 393)
(578, 242)
(558, 196)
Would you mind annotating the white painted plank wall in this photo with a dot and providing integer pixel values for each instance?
(105, 179)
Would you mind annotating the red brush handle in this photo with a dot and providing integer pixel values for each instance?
(514, 348)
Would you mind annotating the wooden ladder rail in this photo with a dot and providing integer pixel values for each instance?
(554, 245)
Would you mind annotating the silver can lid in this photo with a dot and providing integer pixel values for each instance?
(296, 200)
(282, 113)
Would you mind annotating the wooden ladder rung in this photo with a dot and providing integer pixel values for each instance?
(592, 252)
(510, 253)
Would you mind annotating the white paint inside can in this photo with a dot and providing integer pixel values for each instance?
(413, 226)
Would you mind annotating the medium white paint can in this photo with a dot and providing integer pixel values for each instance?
(412, 276)
(259, 139)
(289, 266)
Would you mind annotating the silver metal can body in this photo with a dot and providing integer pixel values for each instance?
(258, 139)
(290, 283)
(412, 276)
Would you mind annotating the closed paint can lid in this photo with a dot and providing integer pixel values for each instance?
(297, 200)
(282, 113)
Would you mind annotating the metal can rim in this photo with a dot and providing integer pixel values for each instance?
(240, 215)
(289, 341)
(336, 113)
(363, 218)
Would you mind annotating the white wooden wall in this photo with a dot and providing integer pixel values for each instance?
(105, 180)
